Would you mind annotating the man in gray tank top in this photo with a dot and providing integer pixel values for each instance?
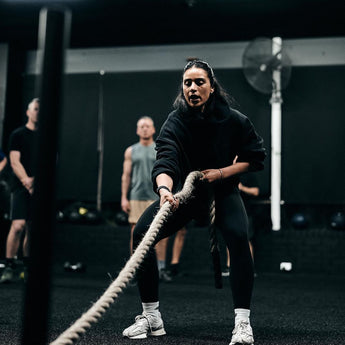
(137, 190)
(136, 186)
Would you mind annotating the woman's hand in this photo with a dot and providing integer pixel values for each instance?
(168, 196)
(211, 175)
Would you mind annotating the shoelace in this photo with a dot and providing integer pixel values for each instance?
(143, 316)
(243, 327)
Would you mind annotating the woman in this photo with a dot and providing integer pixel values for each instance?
(202, 133)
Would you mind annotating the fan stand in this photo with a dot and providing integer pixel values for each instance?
(100, 141)
(267, 68)
(276, 118)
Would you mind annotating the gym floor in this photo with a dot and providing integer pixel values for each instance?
(287, 309)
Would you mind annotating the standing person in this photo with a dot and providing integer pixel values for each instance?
(167, 274)
(202, 133)
(21, 154)
(3, 161)
(174, 268)
(4, 187)
(136, 185)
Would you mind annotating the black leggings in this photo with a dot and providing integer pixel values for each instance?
(231, 219)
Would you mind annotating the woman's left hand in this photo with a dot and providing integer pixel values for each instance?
(211, 175)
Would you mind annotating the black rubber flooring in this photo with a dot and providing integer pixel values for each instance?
(287, 309)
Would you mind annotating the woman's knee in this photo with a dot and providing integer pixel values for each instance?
(235, 237)
(138, 234)
(143, 224)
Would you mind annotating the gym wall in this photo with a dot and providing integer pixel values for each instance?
(313, 140)
(144, 80)
(126, 97)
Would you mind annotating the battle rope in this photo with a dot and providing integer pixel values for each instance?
(73, 333)
(214, 248)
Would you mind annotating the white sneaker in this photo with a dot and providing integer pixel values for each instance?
(7, 275)
(242, 334)
(144, 326)
(226, 272)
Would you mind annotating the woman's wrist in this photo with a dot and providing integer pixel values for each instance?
(162, 187)
(221, 173)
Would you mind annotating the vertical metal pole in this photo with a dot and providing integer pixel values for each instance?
(3, 81)
(53, 33)
(100, 142)
(276, 102)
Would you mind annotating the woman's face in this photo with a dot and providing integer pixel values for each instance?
(196, 87)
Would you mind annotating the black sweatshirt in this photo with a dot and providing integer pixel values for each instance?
(196, 141)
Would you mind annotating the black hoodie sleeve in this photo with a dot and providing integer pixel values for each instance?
(168, 155)
(251, 148)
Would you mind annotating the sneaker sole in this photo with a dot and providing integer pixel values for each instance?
(157, 333)
(139, 336)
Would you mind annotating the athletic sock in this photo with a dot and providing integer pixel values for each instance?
(151, 308)
(242, 315)
(161, 264)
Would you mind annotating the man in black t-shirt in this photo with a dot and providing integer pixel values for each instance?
(4, 188)
(21, 154)
(3, 160)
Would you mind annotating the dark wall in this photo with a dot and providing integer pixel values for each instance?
(314, 136)
(78, 163)
(313, 144)
(127, 97)
(13, 105)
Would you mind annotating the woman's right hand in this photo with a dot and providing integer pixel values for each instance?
(168, 196)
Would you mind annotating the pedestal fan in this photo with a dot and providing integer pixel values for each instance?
(267, 68)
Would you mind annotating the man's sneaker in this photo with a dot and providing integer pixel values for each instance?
(174, 270)
(242, 334)
(226, 272)
(144, 326)
(165, 276)
(7, 275)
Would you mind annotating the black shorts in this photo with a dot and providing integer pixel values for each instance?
(21, 204)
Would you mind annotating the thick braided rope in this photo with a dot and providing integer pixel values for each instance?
(212, 218)
(214, 247)
(73, 333)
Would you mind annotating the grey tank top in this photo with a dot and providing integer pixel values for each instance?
(143, 158)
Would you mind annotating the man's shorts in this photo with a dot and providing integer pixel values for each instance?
(21, 205)
(137, 209)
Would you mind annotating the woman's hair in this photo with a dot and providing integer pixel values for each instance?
(219, 94)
